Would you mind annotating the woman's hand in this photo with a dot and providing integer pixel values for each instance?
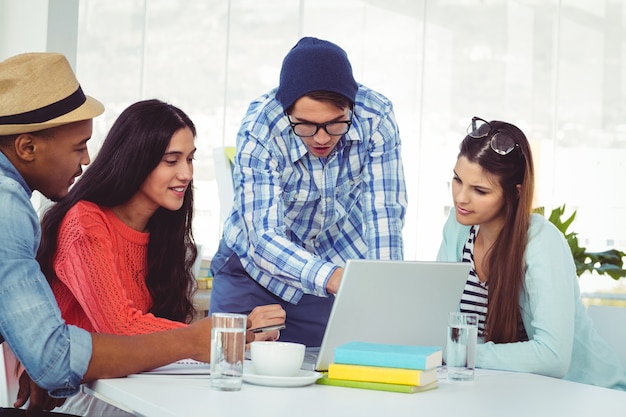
(267, 315)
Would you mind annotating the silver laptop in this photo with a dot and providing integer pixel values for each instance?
(399, 302)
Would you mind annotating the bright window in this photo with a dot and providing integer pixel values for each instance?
(557, 69)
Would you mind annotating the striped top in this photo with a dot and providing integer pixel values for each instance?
(474, 298)
(475, 295)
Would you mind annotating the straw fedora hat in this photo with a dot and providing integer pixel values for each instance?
(38, 91)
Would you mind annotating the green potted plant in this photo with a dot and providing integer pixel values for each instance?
(609, 262)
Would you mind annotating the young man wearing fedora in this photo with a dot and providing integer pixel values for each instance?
(45, 123)
(318, 180)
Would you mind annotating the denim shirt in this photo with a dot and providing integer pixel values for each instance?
(56, 356)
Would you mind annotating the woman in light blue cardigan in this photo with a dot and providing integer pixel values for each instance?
(534, 319)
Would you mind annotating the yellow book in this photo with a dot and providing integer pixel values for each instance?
(382, 374)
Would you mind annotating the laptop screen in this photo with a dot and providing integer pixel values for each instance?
(398, 302)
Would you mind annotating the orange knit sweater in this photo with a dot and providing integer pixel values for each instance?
(101, 264)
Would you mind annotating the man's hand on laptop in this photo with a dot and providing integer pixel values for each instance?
(332, 286)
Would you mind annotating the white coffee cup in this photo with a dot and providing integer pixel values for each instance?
(277, 358)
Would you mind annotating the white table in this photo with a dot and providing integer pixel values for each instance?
(497, 395)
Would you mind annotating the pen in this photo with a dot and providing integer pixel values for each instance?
(267, 328)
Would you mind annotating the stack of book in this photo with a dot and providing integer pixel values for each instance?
(385, 367)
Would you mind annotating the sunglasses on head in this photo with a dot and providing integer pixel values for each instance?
(500, 143)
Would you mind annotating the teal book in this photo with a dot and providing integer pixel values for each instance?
(389, 355)
(379, 386)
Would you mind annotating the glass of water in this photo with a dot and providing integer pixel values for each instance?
(461, 346)
(228, 343)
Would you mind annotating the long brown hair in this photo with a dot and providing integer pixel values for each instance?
(504, 262)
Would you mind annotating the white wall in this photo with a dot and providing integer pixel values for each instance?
(38, 26)
(23, 26)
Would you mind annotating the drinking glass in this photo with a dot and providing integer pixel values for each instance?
(461, 346)
(228, 344)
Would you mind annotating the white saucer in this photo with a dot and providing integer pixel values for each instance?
(303, 378)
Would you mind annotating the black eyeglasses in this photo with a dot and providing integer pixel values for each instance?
(307, 130)
(501, 143)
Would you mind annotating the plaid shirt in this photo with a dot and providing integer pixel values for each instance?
(296, 218)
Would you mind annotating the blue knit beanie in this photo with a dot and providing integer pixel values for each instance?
(315, 65)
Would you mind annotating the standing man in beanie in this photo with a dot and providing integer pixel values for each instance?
(45, 123)
(318, 180)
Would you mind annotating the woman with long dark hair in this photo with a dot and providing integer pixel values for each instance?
(523, 282)
(118, 251)
(110, 230)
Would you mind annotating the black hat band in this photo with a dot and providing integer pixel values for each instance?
(49, 112)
